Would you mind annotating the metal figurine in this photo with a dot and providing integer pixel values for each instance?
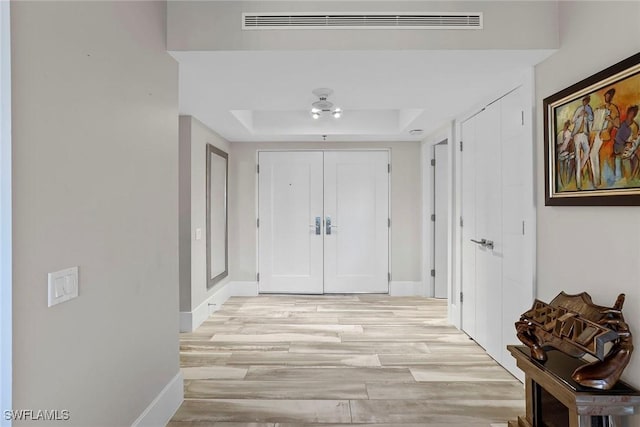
(576, 326)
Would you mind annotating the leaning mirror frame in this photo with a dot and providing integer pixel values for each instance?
(213, 189)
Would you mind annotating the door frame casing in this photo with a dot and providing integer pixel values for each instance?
(445, 133)
(435, 221)
(323, 150)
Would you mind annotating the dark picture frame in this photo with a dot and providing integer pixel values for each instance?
(591, 139)
(217, 181)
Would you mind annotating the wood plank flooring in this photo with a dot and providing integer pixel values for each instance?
(367, 360)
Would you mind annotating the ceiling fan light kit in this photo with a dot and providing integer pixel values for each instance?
(323, 106)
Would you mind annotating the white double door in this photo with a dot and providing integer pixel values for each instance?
(497, 188)
(323, 222)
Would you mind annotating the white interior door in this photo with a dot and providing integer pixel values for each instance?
(290, 201)
(482, 209)
(441, 224)
(497, 196)
(468, 289)
(356, 198)
(323, 222)
(488, 226)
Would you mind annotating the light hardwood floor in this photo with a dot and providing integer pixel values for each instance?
(339, 360)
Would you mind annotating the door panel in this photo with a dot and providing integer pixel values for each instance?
(489, 226)
(357, 202)
(289, 200)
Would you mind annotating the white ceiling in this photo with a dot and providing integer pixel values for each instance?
(266, 96)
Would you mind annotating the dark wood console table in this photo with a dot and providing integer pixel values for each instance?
(553, 399)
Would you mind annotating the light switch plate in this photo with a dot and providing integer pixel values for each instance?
(62, 285)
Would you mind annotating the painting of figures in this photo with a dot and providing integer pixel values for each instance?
(592, 139)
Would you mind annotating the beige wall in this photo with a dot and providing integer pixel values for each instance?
(406, 205)
(593, 249)
(194, 137)
(5, 208)
(95, 185)
(217, 26)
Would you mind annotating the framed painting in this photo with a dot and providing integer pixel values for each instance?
(592, 139)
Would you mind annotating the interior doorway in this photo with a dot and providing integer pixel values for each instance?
(440, 219)
(438, 225)
(323, 222)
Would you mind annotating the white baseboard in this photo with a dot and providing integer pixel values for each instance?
(406, 289)
(164, 406)
(191, 320)
(185, 321)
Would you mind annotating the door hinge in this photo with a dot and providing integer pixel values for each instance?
(257, 168)
(257, 277)
(522, 117)
(461, 297)
(460, 145)
(389, 222)
(433, 272)
(523, 228)
(388, 167)
(461, 222)
(433, 217)
(389, 277)
(258, 222)
(433, 162)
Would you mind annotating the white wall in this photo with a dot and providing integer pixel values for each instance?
(194, 137)
(217, 26)
(593, 249)
(406, 205)
(95, 185)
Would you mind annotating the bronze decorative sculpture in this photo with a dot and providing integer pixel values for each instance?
(576, 326)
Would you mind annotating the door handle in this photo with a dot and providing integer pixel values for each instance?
(317, 225)
(484, 243)
(329, 226)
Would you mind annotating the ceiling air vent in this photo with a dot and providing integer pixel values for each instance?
(357, 20)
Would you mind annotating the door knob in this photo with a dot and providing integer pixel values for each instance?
(489, 244)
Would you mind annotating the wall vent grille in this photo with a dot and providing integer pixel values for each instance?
(357, 20)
